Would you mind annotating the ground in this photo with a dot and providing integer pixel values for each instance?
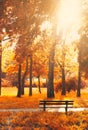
(9, 98)
(41, 120)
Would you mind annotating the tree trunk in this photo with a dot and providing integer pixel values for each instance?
(24, 75)
(79, 75)
(19, 81)
(50, 85)
(63, 70)
(63, 82)
(30, 87)
(0, 65)
(39, 84)
(79, 83)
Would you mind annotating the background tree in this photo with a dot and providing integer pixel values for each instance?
(50, 85)
(2, 16)
(70, 61)
(39, 63)
(83, 41)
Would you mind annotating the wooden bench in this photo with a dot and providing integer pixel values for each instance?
(56, 104)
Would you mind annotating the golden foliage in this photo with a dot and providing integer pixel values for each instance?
(44, 120)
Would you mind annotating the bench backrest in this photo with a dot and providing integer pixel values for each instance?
(56, 102)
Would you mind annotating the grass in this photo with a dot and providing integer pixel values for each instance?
(10, 100)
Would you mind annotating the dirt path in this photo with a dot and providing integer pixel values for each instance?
(38, 109)
(20, 109)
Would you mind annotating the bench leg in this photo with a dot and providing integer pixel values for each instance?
(44, 108)
(66, 110)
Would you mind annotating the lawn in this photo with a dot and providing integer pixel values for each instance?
(10, 100)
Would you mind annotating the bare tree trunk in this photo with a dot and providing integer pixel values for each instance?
(19, 81)
(79, 83)
(79, 76)
(63, 82)
(24, 75)
(63, 70)
(50, 85)
(39, 84)
(0, 65)
(30, 87)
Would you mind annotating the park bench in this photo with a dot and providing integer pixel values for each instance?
(56, 104)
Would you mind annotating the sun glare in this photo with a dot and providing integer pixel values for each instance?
(69, 15)
(46, 25)
(69, 12)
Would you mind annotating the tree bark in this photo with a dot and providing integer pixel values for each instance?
(19, 81)
(79, 75)
(39, 84)
(63, 70)
(30, 87)
(79, 83)
(24, 75)
(63, 82)
(50, 86)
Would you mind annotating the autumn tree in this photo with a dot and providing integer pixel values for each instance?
(23, 18)
(7, 25)
(63, 69)
(84, 52)
(26, 24)
(49, 40)
(82, 60)
(50, 84)
(33, 26)
(2, 16)
(82, 56)
(40, 62)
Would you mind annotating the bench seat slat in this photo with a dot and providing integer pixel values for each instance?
(56, 101)
(55, 107)
(49, 103)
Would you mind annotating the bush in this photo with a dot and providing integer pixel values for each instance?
(71, 84)
(44, 85)
(6, 83)
(58, 86)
